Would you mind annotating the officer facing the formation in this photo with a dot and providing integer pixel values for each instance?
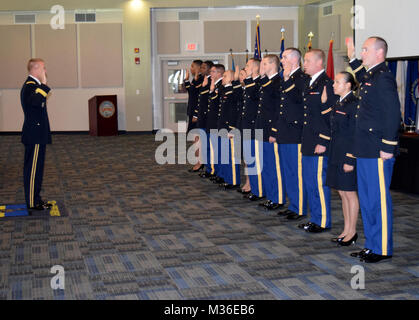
(287, 133)
(269, 97)
(319, 99)
(375, 146)
(36, 132)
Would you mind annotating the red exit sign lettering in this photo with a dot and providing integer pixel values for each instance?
(191, 47)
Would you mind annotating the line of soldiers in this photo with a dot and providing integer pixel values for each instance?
(300, 134)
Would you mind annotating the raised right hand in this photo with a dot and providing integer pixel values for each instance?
(350, 48)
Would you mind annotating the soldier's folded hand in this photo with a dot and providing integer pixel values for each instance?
(324, 95)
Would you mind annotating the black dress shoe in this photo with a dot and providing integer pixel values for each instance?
(240, 190)
(294, 216)
(230, 186)
(218, 180)
(311, 227)
(45, 204)
(361, 254)
(285, 213)
(273, 206)
(253, 197)
(351, 241)
(205, 175)
(38, 207)
(373, 258)
(265, 203)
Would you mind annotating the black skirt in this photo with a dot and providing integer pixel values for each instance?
(338, 179)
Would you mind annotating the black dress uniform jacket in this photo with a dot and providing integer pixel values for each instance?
(343, 129)
(193, 92)
(316, 125)
(289, 122)
(214, 107)
(36, 129)
(201, 111)
(269, 98)
(228, 108)
(378, 115)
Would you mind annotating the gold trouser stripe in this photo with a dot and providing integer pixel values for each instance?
(290, 88)
(238, 86)
(321, 192)
(357, 70)
(392, 143)
(251, 85)
(38, 90)
(300, 181)
(233, 161)
(383, 207)
(278, 174)
(229, 92)
(33, 174)
(214, 97)
(258, 168)
(212, 158)
(204, 92)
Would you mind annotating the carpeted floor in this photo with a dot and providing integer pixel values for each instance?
(133, 229)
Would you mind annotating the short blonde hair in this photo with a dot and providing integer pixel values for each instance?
(32, 62)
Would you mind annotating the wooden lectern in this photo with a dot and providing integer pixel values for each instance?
(103, 116)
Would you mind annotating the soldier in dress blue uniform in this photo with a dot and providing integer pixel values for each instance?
(318, 100)
(269, 97)
(200, 115)
(230, 147)
(248, 117)
(193, 93)
(36, 132)
(240, 122)
(287, 133)
(213, 113)
(341, 171)
(375, 146)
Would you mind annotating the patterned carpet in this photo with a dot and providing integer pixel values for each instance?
(132, 229)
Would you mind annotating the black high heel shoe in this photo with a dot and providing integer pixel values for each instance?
(337, 239)
(350, 242)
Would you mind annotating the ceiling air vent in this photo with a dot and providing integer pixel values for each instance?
(24, 18)
(327, 10)
(191, 15)
(85, 17)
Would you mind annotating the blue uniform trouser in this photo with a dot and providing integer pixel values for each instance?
(208, 167)
(231, 170)
(272, 173)
(213, 154)
(253, 156)
(374, 178)
(314, 177)
(33, 171)
(292, 166)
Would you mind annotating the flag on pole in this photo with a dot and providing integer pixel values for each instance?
(281, 68)
(233, 66)
(330, 71)
(411, 92)
(401, 83)
(310, 36)
(257, 54)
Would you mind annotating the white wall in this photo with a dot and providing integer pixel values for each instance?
(67, 108)
(395, 21)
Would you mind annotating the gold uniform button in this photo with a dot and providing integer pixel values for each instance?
(295, 122)
(280, 113)
(305, 99)
(258, 111)
(305, 107)
(270, 120)
(356, 116)
(305, 122)
(370, 129)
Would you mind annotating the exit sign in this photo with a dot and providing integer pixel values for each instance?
(192, 46)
